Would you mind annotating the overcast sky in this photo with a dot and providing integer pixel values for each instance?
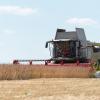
(25, 25)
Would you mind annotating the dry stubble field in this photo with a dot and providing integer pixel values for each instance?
(51, 89)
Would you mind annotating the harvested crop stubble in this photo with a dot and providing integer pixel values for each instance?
(51, 89)
(13, 72)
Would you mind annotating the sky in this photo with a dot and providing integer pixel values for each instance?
(25, 25)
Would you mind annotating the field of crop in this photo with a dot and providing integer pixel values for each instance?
(51, 89)
(14, 72)
(51, 83)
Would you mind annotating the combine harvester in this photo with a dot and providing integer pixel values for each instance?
(71, 56)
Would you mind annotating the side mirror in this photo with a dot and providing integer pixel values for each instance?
(46, 46)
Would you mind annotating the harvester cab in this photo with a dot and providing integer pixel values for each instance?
(64, 49)
(70, 46)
